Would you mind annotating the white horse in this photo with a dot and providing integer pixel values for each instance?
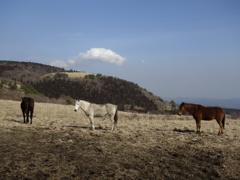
(98, 110)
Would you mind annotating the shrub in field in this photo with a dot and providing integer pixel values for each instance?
(13, 86)
(91, 76)
(28, 89)
(60, 75)
(1, 85)
(173, 104)
(68, 102)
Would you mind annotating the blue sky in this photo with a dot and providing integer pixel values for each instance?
(173, 48)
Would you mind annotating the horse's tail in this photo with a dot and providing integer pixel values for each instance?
(116, 117)
(223, 121)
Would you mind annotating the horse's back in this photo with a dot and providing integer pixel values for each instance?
(209, 113)
(27, 103)
(220, 112)
(111, 108)
(102, 109)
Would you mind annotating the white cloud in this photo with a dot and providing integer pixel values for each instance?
(72, 61)
(103, 54)
(58, 63)
(98, 54)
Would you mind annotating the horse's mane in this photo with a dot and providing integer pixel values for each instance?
(191, 108)
(84, 104)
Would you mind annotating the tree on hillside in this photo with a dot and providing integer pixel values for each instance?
(112, 90)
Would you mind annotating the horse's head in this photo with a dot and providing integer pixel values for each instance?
(77, 104)
(182, 109)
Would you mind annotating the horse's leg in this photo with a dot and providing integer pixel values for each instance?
(27, 121)
(112, 122)
(92, 122)
(198, 124)
(31, 115)
(23, 116)
(219, 121)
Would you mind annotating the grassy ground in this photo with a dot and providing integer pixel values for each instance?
(72, 74)
(60, 145)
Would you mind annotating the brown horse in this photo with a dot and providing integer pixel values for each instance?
(200, 112)
(27, 105)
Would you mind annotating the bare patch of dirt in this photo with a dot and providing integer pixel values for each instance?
(60, 145)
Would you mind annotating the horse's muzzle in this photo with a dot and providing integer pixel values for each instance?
(75, 110)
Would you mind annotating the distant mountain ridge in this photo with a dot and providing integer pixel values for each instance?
(225, 103)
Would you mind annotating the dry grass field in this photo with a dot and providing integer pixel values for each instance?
(60, 145)
(71, 74)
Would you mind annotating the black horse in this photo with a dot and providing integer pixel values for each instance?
(27, 105)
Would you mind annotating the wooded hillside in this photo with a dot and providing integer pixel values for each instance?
(102, 89)
(94, 88)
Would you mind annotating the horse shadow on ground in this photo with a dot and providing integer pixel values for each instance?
(86, 127)
(77, 127)
(183, 130)
(162, 130)
(16, 121)
(176, 130)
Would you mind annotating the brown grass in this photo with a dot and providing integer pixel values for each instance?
(60, 145)
(71, 74)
